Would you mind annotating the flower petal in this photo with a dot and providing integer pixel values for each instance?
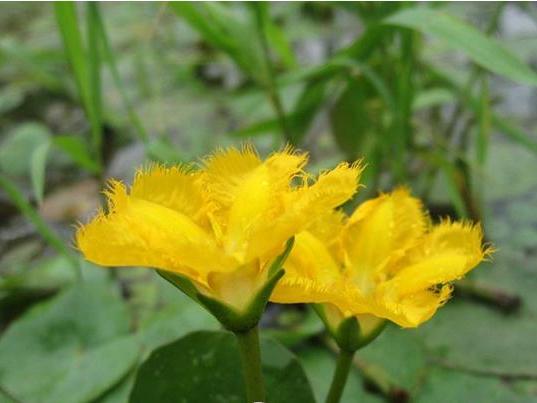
(448, 252)
(381, 230)
(225, 170)
(303, 205)
(250, 195)
(137, 232)
(175, 187)
(311, 274)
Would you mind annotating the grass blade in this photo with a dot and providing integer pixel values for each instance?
(74, 49)
(94, 71)
(484, 123)
(485, 51)
(77, 151)
(110, 59)
(18, 199)
(507, 128)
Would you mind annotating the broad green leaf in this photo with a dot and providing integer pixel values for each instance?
(399, 353)
(72, 348)
(11, 96)
(205, 367)
(18, 145)
(177, 316)
(163, 314)
(350, 118)
(38, 166)
(485, 51)
(77, 150)
(119, 393)
(306, 108)
(448, 386)
(485, 340)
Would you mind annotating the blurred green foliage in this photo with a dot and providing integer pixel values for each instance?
(91, 90)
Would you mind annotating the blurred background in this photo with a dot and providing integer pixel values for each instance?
(440, 97)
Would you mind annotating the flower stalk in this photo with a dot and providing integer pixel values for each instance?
(250, 356)
(339, 380)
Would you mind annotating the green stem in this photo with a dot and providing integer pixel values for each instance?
(251, 365)
(269, 82)
(339, 380)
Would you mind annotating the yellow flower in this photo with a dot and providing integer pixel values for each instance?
(385, 260)
(220, 225)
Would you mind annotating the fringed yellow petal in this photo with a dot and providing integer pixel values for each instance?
(302, 205)
(414, 309)
(253, 201)
(311, 274)
(380, 231)
(225, 170)
(250, 195)
(177, 188)
(327, 227)
(285, 165)
(333, 187)
(136, 232)
(447, 253)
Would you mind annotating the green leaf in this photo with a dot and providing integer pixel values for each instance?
(486, 52)
(299, 118)
(77, 150)
(276, 37)
(110, 59)
(177, 315)
(350, 119)
(204, 367)
(470, 346)
(18, 199)
(448, 386)
(432, 97)
(227, 31)
(38, 165)
(399, 353)
(72, 348)
(86, 67)
(305, 109)
(18, 145)
(11, 96)
(320, 364)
